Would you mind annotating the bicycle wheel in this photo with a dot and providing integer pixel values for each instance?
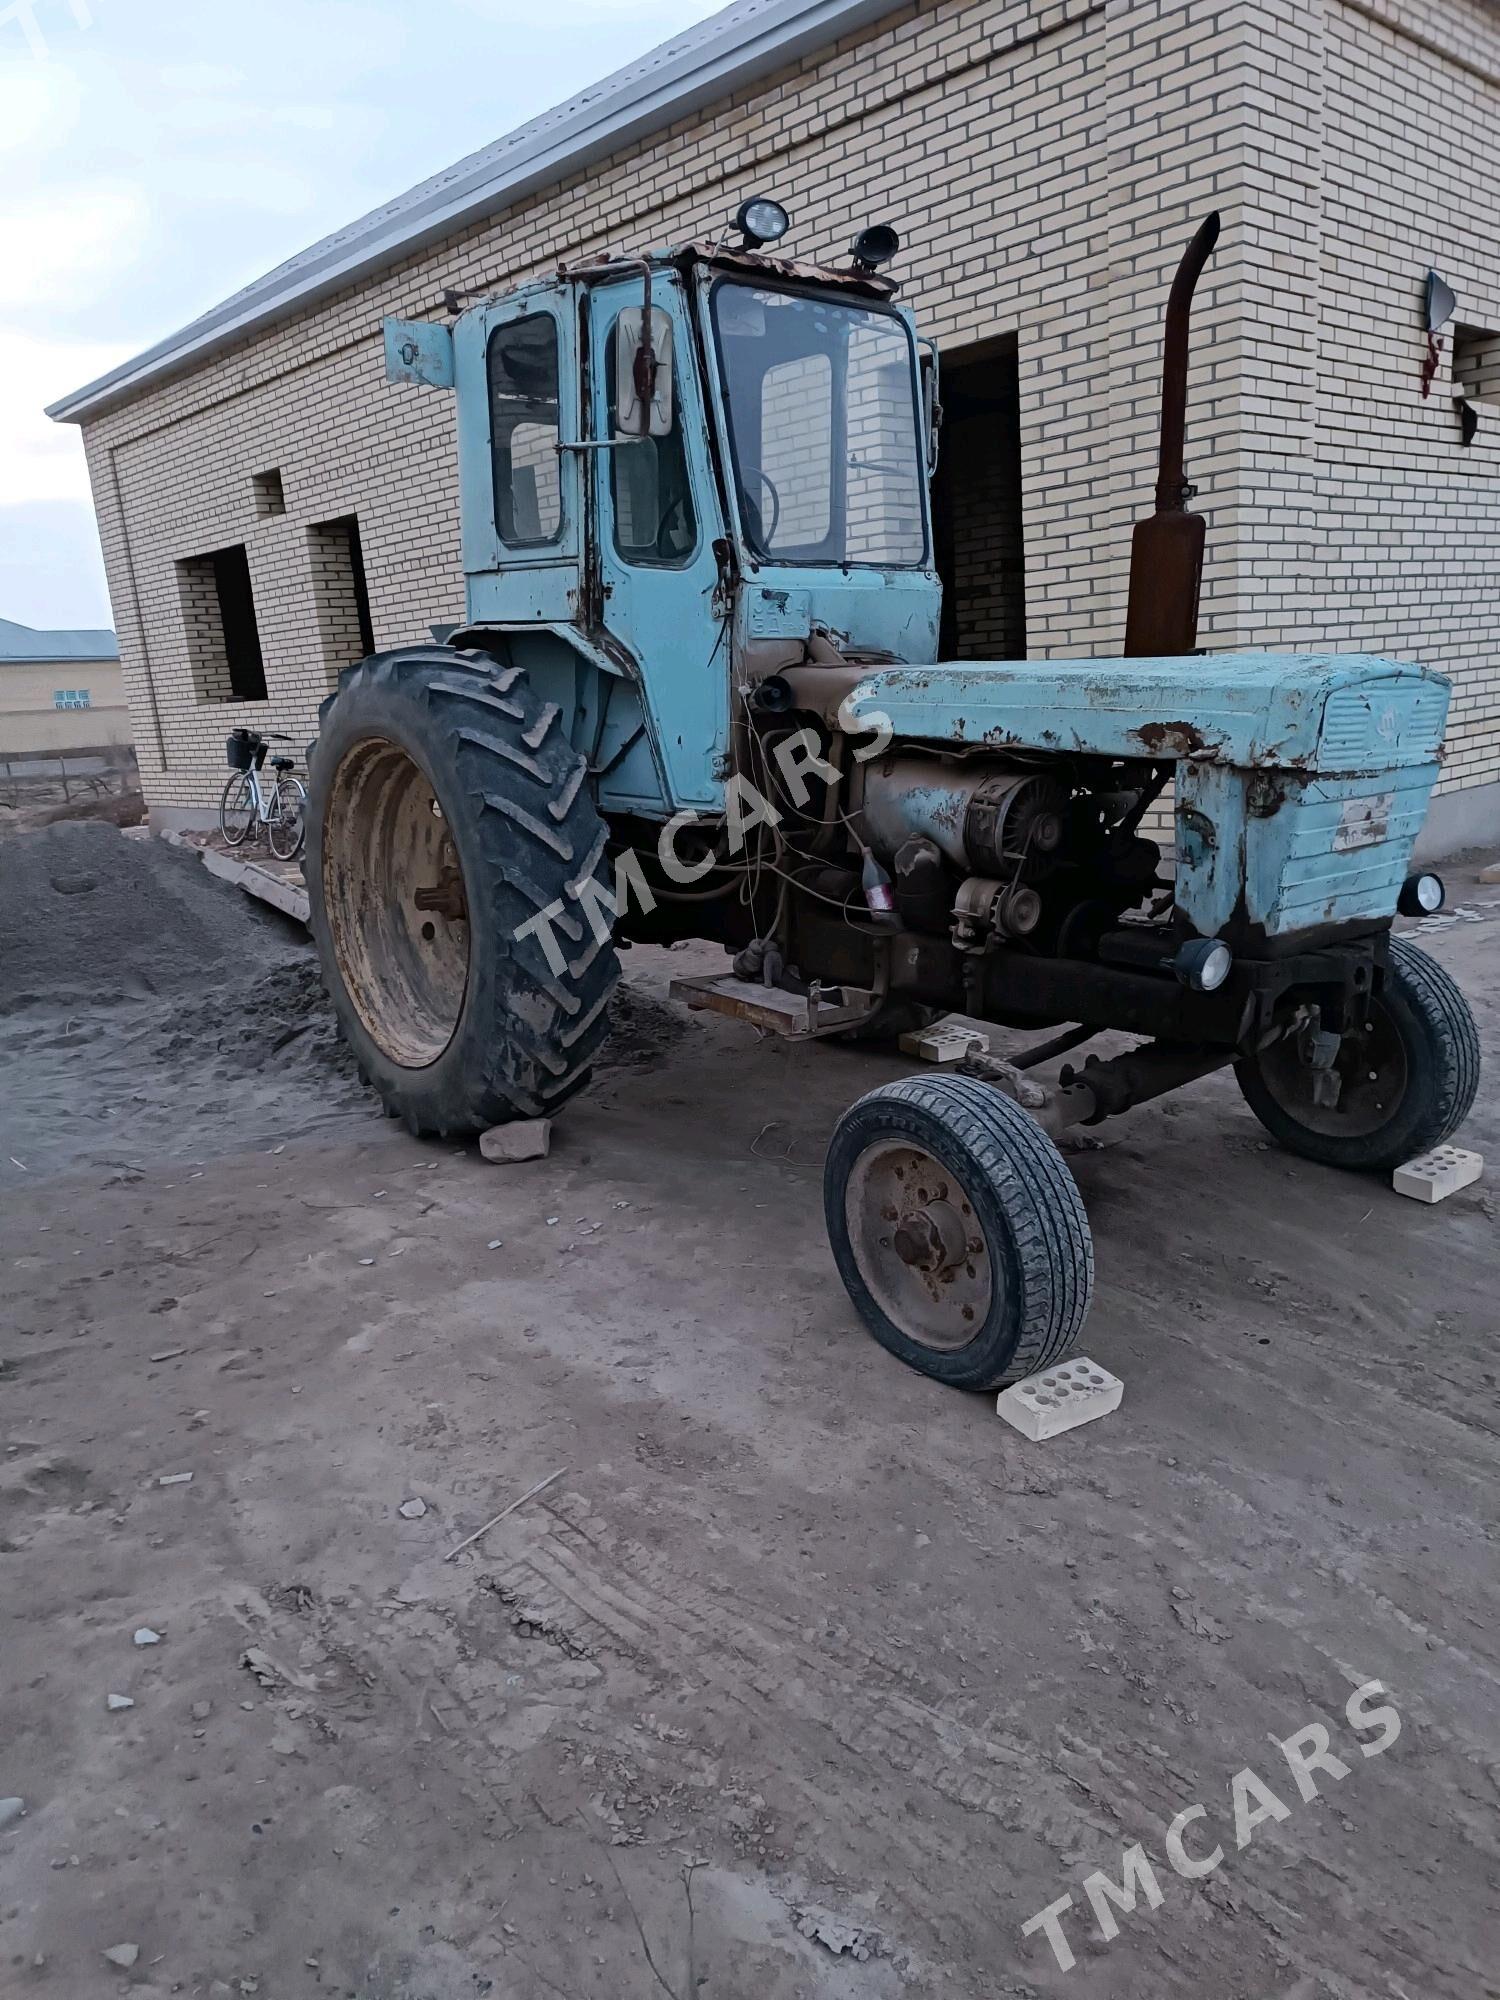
(286, 829)
(237, 809)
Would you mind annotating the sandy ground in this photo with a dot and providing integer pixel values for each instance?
(807, 1680)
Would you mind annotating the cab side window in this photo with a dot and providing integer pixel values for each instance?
(649, 485)
(523, 426)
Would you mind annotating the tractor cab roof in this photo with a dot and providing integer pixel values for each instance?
(742, 263)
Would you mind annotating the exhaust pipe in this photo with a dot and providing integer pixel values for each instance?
(1166, 550)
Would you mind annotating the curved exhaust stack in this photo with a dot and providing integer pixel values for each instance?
(1166, 550)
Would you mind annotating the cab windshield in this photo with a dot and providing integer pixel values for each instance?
(824, 434)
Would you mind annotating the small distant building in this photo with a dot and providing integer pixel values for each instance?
(61, 693)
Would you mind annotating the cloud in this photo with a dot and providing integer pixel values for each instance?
(51, 571)
(42, 460)
(67, 247)
(39, 106)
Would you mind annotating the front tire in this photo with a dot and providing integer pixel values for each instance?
(447, 812)
(1407, 1075)
(958, 1231)
(287, 827)
(236, 809)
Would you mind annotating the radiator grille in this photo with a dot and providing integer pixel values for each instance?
(1369, 724)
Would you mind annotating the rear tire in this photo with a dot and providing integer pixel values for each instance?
(958, 1231)
(1407, 1078)
(439, 774)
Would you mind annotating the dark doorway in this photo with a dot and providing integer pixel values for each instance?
(247, 672)
(976, 503)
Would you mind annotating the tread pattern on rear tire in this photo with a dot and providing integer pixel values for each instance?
(1445, 1091)
(1036, 1194)
(539, 840)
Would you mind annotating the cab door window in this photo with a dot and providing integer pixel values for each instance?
(652, 497)
(524, 430)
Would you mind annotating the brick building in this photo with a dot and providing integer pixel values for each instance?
(270, 507)
(61, 695)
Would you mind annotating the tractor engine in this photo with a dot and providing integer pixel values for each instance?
(1034, 851)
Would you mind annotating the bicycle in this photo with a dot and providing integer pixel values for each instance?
(281, 807)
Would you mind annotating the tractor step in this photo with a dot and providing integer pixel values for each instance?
(820, 1011)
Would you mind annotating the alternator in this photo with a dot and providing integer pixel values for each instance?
(1014, 817)
(986, 910)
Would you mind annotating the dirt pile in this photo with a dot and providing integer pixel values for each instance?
(148, 1009)
(643, 1030)
(113, 809)
(90, 918)
(278, 1019)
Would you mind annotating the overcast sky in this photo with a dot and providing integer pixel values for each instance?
(157, 154)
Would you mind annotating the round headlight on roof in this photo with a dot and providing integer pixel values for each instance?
(875, 246)
(761, 220)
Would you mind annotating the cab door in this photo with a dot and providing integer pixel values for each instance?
(659, 516)
(516, 366)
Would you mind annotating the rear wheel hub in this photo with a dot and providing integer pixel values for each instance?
(393, 895)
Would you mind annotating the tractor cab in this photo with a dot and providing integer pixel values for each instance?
(700, 459)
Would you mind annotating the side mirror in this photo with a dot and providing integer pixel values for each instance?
(643, 373)
(932, 409)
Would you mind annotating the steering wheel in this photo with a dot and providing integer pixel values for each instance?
(675, 508)
(767, 534)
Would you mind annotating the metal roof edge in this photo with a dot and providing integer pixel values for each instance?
(677, 77)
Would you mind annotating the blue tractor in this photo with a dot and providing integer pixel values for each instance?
(697, 695)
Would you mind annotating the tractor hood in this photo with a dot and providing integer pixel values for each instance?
(1335, 712)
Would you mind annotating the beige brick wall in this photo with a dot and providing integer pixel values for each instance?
(1045, 160)
(31, 722)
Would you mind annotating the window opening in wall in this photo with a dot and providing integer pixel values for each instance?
(341, 597)
(218, 615)
(523, 425)
(70, 698)
(269, 497)
(1476, 379)
(977, 504)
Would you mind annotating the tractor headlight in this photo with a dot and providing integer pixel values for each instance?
(1421, 895)
(874, 246)
(760, 220)
(1203, 964)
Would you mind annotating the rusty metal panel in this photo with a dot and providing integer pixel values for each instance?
(417, 350)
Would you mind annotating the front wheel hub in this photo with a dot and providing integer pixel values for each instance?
(919, 1245)
(932, 1238)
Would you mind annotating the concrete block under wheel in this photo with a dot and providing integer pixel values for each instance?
(939, 1044)
(1441, 1172)
(527, 1139)
(1060, 1398)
